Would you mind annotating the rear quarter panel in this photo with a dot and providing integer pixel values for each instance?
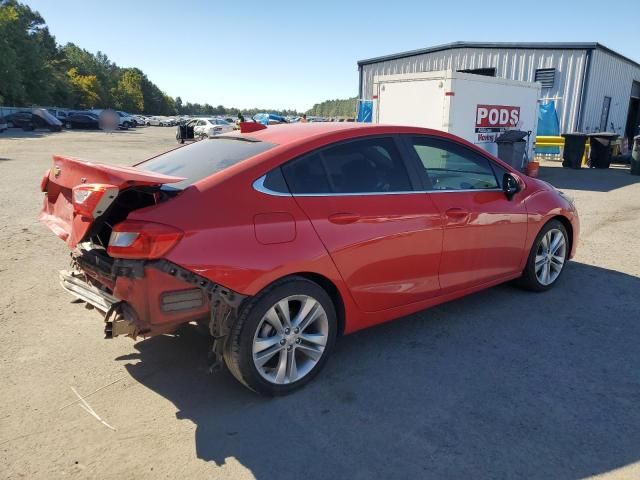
(225, 238)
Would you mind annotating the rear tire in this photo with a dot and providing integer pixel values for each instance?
(547, 258)
(282, 337)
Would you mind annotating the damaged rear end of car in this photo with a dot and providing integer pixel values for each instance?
(117, 265)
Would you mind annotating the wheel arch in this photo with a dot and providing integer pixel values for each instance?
(567, 225)
(328, 286)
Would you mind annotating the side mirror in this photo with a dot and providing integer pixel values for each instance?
(510, 185)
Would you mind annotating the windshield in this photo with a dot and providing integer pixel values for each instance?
(202, 159)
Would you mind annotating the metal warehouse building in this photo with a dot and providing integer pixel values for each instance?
(594, 88)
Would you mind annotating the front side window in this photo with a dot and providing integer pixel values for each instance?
(371, 165)
(453, 167)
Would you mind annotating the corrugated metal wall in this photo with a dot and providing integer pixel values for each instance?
(515, 64)
(612, 77)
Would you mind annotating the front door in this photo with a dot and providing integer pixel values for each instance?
(484, 232)
(382, 236)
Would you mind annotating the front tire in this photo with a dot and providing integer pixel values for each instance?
(547, 258)
(282, 337)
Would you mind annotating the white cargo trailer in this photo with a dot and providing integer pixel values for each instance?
(475, 107)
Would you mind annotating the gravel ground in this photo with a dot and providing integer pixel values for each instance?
(501, 384)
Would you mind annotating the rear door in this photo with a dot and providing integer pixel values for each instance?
(383, 237)
(484, 231)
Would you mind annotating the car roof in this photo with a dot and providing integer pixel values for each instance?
(291, 133)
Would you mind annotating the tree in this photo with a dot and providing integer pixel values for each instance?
(178, 102)
(25, 48)
(85, 87)
(335, 108)
(127, 94)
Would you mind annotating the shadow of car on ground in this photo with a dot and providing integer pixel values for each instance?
(500, 384)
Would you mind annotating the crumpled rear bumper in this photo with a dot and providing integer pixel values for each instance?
(143, 298)
(74, 283)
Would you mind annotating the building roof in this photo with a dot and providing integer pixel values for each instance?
(501, 45)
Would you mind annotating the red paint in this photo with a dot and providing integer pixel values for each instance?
(248, 127)
(270, 228)
(387, 255)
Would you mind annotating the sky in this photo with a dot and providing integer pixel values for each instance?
(286, 54)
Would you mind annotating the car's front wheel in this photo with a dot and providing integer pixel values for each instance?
(282, 337)
(547, 258)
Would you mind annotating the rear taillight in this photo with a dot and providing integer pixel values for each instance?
(92, 199)
(142, 240)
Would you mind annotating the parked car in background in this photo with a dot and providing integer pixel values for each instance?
(159, 121)
(80, 120)
(341, 227)
(22, 120)
(58, 113)
(3, 124)
(126, 120)
(140, 120)
(38, 118)
(208, 127)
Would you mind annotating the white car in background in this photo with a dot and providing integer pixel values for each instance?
(126, 120)
(160, 121)
(209, 127)
(140, 120)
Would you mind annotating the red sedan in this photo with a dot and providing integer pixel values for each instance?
(281, 239)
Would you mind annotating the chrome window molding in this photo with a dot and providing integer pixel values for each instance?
(258, 185)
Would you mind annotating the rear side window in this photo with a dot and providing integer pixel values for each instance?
(363, 166)
(450, 166)
(202, 159)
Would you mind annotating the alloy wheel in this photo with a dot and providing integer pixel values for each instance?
(550, 256)
(290, 339)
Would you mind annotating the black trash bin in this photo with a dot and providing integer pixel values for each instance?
(573, 149)
(600, 149)
(512, 148)
(635, 156)
(184, 132)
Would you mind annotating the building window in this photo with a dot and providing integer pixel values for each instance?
(604, 116)
(487, 72)
(546, 76)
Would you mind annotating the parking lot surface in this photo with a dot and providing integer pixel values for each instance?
(500, 384)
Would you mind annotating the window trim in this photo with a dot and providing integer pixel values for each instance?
(417, 174)
(258, 185)
(407, 139)
(413, 181)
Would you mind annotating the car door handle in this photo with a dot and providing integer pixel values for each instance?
(457, 216)
(344, 218)
(456, 213)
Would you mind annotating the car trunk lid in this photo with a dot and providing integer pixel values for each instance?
(69, 222)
